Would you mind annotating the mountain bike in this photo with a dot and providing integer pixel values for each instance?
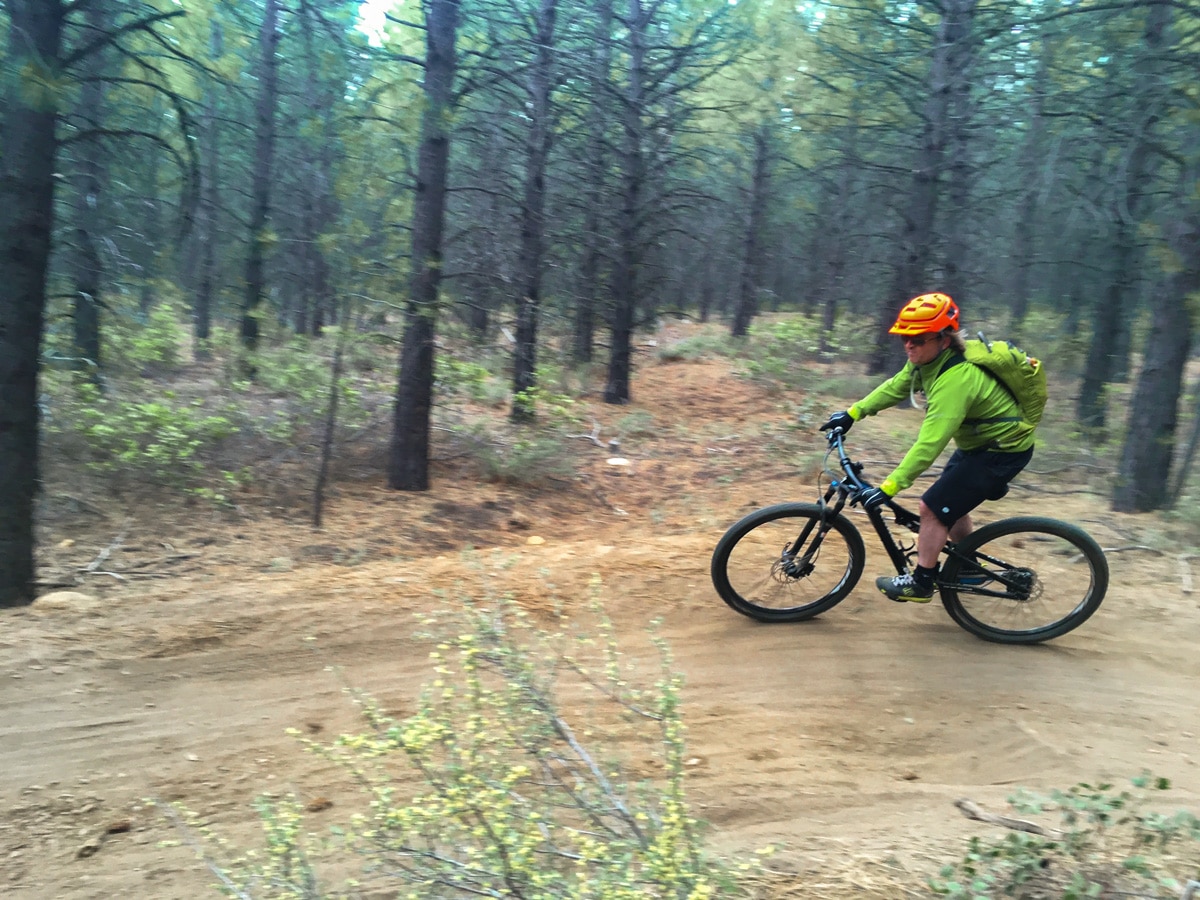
(1022, 580)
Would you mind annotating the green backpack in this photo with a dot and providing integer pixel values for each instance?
(1023, 376)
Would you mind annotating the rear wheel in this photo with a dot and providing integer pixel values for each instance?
(1024, 580)
(787, 562)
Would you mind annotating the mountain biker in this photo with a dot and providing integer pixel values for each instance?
(962, 401)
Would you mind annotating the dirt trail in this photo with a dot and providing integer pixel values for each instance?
(848, 736)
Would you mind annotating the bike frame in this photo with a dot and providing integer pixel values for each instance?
(847, 489)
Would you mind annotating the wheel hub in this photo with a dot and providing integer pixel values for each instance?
(791, 568)
(1024, 583)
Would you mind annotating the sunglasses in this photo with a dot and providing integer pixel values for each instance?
(918, 340)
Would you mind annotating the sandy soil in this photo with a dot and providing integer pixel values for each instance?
(847, 737)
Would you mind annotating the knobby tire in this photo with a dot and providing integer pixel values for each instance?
(751, 575)
(1060, 573)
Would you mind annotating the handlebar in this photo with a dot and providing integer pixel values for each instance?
(857, 484)
(853, 485)
(849, 467)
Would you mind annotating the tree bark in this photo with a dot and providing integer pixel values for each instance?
(206, 226)
(583, 334)
(1108, 353)
(260, 191)
(1179, 482)
(85, 264)
(946, 77)
(960, 172)
(841, 217)
(1032, 149)
(318, 202)
(533, 208)
(1144, 474)
(26, 217)
(747, 302)
(409, 469)
(629, 251)
(144, 252)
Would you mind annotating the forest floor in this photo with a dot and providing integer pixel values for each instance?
(843, 741)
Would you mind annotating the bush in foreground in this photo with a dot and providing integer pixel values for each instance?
(509, 799)
(1109, 843)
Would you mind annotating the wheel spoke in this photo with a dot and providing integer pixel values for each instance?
(760, 572)
(1032, 579)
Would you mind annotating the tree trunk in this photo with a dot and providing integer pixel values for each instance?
(1106, 321)
(260, 191)
(708, 287)
(1145, 468)
(145, 250)
(85, 265)
(26, 218)
(206, 225)
(841, 220)
(1108, 353)
(533, 206)
(629, 251)
(1179, 483)
(920, 212)
(409, 469)
(747, 303)
(583, 334)
(318, 202)
(959, 169)
(1024, 236)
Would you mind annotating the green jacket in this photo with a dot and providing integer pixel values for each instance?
(962, 400)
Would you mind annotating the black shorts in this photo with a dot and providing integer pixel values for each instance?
(970, 477)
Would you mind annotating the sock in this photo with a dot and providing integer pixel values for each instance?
(924, 577)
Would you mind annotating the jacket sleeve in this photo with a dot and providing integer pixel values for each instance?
(887, 395)
(950, 396)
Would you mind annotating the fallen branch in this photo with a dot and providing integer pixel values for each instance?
(106, 552)
(165, 560)
(79, 502)
(972, 810)
(201, 851)
(594, 437)
(1068, 467)
(1078, 556)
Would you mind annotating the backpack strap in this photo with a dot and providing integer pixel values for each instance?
(956, 358)
(953, 360)
(1007, 390)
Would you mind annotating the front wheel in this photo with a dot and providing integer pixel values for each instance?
(1024, 580)
(788, 562)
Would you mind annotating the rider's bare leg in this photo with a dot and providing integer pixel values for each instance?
(932, 537)
(961, 528)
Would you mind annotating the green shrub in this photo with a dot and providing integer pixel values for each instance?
(1109, 843)
(638, 423)
(509, 800)
(151, 346)
(455, 377)
(698, 346)
(297, 374)
(155, 440)
(553, 408)
(514, 456)
(292, 369)
(778, 351)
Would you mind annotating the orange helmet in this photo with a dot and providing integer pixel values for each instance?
(926, 314)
